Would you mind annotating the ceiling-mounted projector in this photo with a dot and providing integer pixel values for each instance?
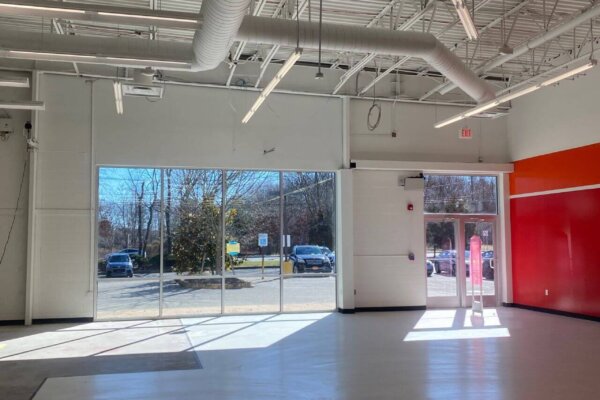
(139, 90)
(143, 85)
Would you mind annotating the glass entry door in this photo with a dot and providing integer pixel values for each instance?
(443, 268)
(448, 259)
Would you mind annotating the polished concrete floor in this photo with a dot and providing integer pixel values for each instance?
(29, 355)
(438, 354)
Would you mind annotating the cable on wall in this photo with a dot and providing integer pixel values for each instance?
(374, 109)
(12, 224)
(319, 74)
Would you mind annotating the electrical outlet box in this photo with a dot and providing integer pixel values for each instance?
(6, 126)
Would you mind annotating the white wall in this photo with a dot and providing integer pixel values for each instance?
(191, 127)
(201, 127)
(62, 270)
(13, 155)
(418, 140)
(556, 118)
(384, 233)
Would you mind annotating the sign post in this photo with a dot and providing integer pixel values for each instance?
(476, 274)
(263, 241)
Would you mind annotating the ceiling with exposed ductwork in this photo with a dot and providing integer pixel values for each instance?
(500, 23)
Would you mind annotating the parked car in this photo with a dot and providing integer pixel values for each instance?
(119, 264)
(132, 252)
(488, 265)
(330, 254)
(430, 267)
(306, 258)
(445, 262)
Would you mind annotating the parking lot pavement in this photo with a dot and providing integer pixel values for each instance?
(139, 296)
(439, 285)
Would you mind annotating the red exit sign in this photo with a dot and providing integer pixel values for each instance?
(465, 133)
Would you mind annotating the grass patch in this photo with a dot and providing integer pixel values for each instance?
(257, 263)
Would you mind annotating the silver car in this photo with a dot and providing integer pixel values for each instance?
(119, 264)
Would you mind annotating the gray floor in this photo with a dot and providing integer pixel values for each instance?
(439, 354)
(28, 355)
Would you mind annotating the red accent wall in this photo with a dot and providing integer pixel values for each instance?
(556, 237)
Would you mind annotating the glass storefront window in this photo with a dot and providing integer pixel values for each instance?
(228, 239)
(455, 194)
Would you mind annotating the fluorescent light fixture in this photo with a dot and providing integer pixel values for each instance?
(141, 60)
(22, 105)
(481, 108)
(118, 97)
(93, 12)
(513, 95)
(46, 54)
(285, 68)
(84, 58)
(465, 18)
(149, 17)
(569, 73)
(15, 82)
(450, 120)
(34, 7)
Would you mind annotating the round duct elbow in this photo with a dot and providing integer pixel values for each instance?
(452, 67)
(212, 41)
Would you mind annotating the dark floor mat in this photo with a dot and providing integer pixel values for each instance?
(20, 379)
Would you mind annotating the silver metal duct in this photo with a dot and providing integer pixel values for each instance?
(224, 21)
(337, 37)
(212, 41)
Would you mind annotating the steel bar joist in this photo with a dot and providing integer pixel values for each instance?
(548, 34)
(416, 17)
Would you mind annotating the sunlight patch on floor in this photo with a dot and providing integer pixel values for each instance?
(229, 333)
(433, 319)
(457, 334)
(457, 324)
(97, 339)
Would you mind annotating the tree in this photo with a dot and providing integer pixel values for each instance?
(168, 211)
(196, 244)
(460, 194)
(310, 207)
(440, 235)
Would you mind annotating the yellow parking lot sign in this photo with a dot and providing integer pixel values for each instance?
(233, 248)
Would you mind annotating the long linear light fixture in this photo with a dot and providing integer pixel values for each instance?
(513, 95)
(151, 17)
(22, 105)
(14, 82)
(87, 58)
(118, 97)
(285, 68)
(83, 10)
(465, 18)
